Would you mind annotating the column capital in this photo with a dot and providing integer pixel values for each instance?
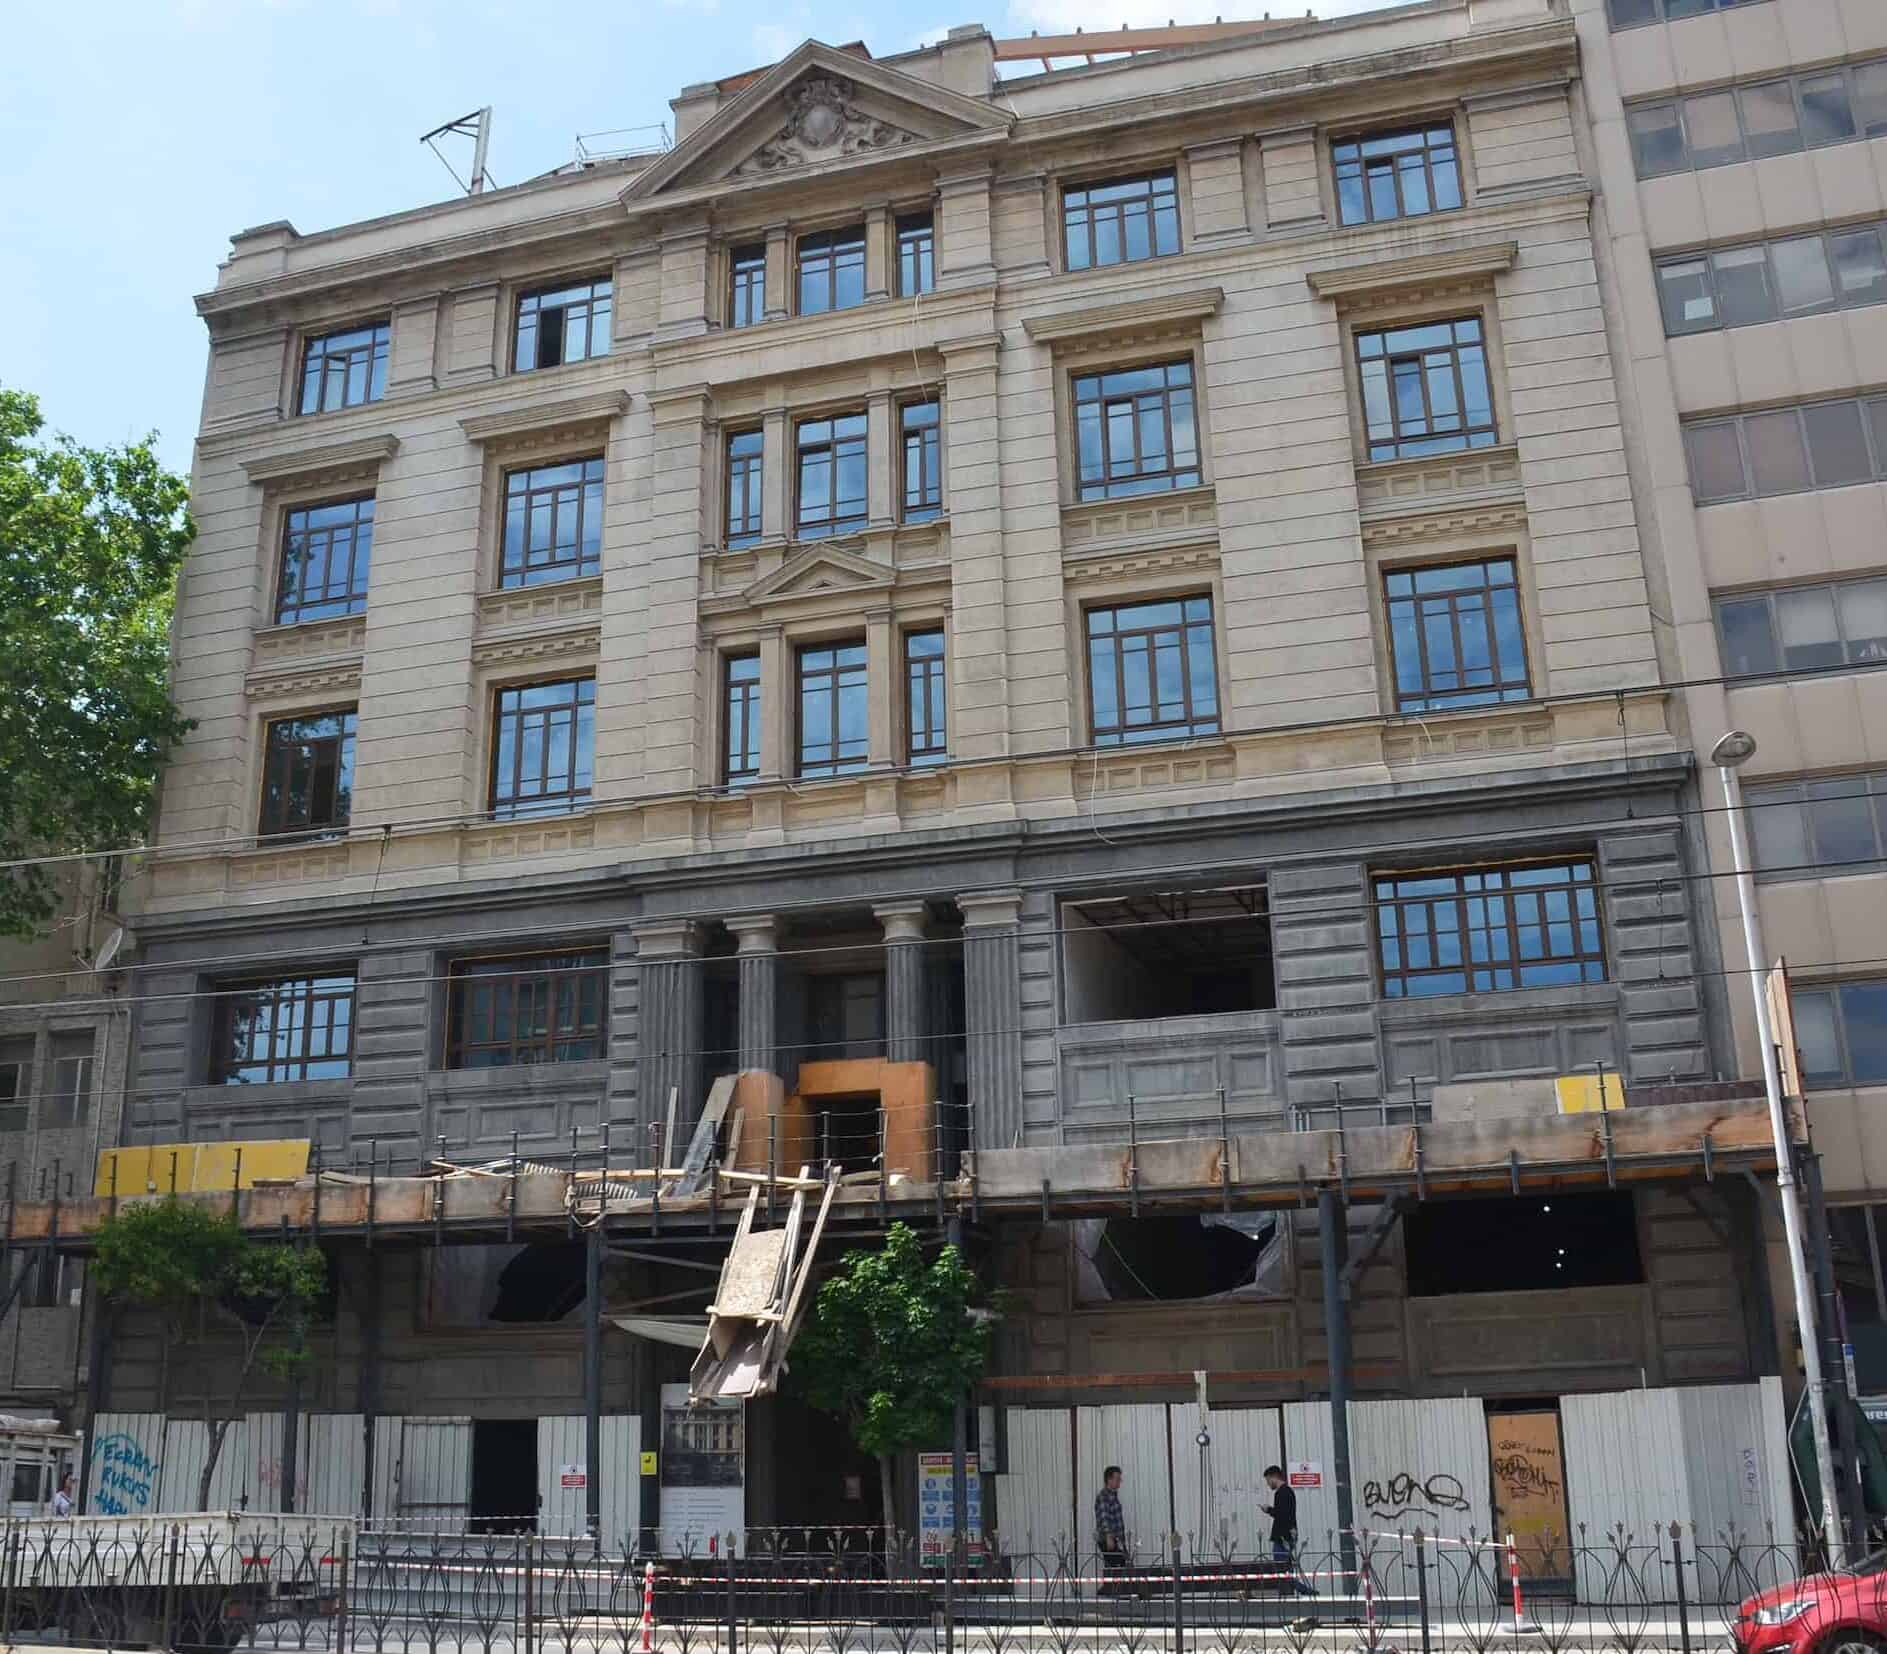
(666, 938)
(755, 932)
(903, 921)
(991, 909)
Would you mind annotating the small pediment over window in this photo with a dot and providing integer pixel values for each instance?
(819, 571)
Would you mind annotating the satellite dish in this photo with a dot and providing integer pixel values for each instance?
(114, 943)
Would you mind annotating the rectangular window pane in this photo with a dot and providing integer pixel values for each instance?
(1817, 1036)
(1805, 627)
(537, 1008)
(1657, 139)
(1406, 173)
(832, 476)
(917, 272)
(1864, 1031)
(1860, 269)
(1837, 444)
(553, 524)
(745, 465)
(926, 718)
(1151, 672)
(563, 324)
(1870, 98)
(1747, 628)
(1135, 431)
(542, 747)
(1827, 109)
(1769, 119)
(326, 553)
(1456, 637)
(741, 715)
(1744, 288)
(1488, 930)
(340, 370)
(831, 270)
(833, 709)
(1778, 829)
(920, 478)
(1425, 389)
(1121, 221)
(1862, 606)
(1686, 296)
(308, 774)
(1803, 281)
(291, 1028)
(1778, 454)
(747, 298)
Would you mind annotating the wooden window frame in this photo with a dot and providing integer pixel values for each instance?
(277, 771)
(742, 715)
(832, 447)
(598, 305)
(580, 499)
(1471, 890)
(744, 527)
(374, 353)
(834, 252)
(747, 284)
(349, 598)
(515, 806)
(1092, 213)
(544, 972)
(1365, 167)
(924, 442)
(926, 699)
(845, 675)
(1195, 720)
(1504, 689)
(307, 994)
(1409, 445)
(1143, 479)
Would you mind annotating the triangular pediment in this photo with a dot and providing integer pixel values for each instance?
(818, 109)
(819, 571)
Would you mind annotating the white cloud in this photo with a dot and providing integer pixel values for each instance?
(1065, 16)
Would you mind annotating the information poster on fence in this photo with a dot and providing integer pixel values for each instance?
(704, 1474)
(936, 1509)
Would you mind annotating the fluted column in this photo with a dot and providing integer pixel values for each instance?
(992, 1003)
(668, 963)
(904, 982)
(758, 958)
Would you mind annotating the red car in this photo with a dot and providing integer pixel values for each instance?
(1842, 1613)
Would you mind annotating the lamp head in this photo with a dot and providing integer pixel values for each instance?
(1733, 750)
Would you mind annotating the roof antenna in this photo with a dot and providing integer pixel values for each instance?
(477, 127)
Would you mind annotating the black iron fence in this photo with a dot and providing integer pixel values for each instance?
(217, 1583)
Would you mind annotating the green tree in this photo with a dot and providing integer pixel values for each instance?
(91, 540)
(891, 1345)
(193, 1265)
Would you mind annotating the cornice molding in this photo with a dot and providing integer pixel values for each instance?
(1423, 527)
(539, 418)
(321, 461)
(546, 645)
(307, 681)
(1343, 282)
(1154, 312)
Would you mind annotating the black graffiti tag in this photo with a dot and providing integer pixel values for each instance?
(1519, 1475)
(1403, 1493)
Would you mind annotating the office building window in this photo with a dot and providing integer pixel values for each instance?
(553, 523)
(563, 324)
(832, 476)
(740, 710)
(1484, 930)
(919, 432)
(1767, 281)
(1151, 671)
(1803, 628)
(926, 714)
(1756, 119)
(1455, 637)
(283, 1028)
(834, 732)
(1136, 431)
(308, 774)
(16, 1072)
(1403, 174)
(746, 460)
(1841, 1033)
(1787, 450)
(70, 1099)
(1120, 221)
(845, 1016)
(831, 270)
(747, 296)
(541, 750)
(1803, 828)
(917, 256)
(342, 370)
(544, 1007)
(326, 550)
(1630, 14)
(1425, 389)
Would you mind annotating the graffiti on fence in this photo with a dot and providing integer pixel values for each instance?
(127, 1476)
(1404, 1494)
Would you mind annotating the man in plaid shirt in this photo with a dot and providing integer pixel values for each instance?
(1110, 1526)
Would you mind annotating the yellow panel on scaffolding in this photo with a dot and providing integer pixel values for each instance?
(166, 1168)
(1580, 1094)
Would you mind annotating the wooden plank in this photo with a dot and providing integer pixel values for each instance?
(750, 1280)
(668, 1130)
(795, 1304)
(694, 1167)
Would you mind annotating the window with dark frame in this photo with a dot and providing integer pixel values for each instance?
(284, 1028)
(345, 369)
(1120, 220)
(1455, 637)
(326, 553)
(568, 323)
(541, 748)
(532, 1008)
(1841, 1032)
(834, 709)
(917, 256)
(1766, 281)
(1488, 929)
(16, 1071)
(926, 707)
(553, 523)
(1631, 14)
(1426, 389)
(833, 470)
(920, 432)
(1752, 120)
(1787, 450)
(1136, 431)
(831, 270)
(1803, 628)
(747, 285)
(1801, 829)
(1407, 173)
(69, 1100)
(740, 704)
(308, 774)
(1152, 672)
(746, 465)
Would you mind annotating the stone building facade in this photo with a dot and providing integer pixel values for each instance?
(1135, 585)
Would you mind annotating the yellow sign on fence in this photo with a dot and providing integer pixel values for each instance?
(183, 1168)
(1579, 1093)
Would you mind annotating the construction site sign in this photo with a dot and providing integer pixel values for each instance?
(1305, 1473)
(573, 1475)
(936, 1508)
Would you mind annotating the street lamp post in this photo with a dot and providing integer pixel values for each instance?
(1729, 754)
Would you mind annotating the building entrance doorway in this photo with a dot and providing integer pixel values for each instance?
(504, 1475)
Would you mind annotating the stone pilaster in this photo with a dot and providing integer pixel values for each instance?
(992, 998)
(758, 958)
(905, 1007)
(668, 965)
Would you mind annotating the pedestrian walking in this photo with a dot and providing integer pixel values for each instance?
(1283, 1513)
(1110, 1530)
(62, 1498)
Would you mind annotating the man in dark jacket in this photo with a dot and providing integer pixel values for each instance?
(1283, 1513)
(1110, 1528)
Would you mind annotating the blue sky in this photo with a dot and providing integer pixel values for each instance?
(137, 135)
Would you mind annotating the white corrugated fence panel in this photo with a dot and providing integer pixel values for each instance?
(1624, 1477)
(1307, 1439)
(622, 1483)
(433, 1479)
(1035, 1496)
(387, 1430)
(265, 1464)
(334, 1462)
(127, 1465)
(1217, 1511)
(1779, 1496)
(1737, 1475)
(1133, 1436)
(1421, 1464)
(186, 1448)
(561, 1441)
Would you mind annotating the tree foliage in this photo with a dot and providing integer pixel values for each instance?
(189, 1264)
(892, 1345)
(91, 540)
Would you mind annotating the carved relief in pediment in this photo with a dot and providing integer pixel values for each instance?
(822, 123)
